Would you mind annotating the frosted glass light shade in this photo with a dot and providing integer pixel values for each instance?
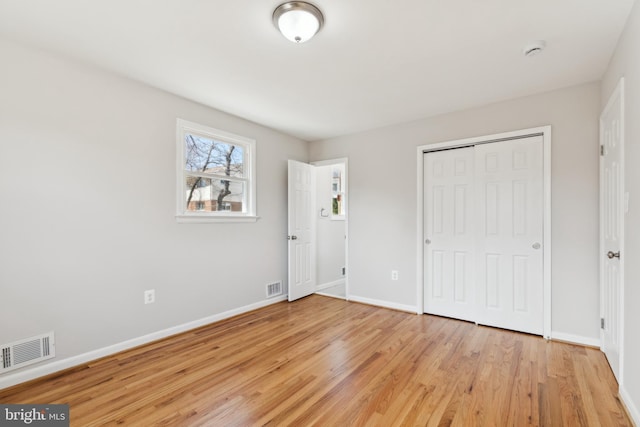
(298, 21)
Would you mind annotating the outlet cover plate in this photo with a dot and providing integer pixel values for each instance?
(150, 296)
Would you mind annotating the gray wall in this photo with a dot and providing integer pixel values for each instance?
(88, 184)
(626, 62)
(382, 204)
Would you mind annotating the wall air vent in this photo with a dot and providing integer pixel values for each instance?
(27, 351)
(274, 289)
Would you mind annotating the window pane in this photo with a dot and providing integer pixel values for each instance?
(207, 155)
(210, 195)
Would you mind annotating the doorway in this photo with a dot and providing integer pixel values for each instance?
(484, 230)
(331, 228)
(317, 224)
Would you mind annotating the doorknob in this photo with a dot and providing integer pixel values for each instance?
(612, 255)
(292, 238)
(536, 245)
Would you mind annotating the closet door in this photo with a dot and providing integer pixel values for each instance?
(449, 233)
(509, 232)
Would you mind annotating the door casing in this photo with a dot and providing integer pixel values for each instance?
(545, 132)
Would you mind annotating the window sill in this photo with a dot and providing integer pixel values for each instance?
(202, 219)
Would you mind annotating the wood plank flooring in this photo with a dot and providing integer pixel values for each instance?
(326, 362)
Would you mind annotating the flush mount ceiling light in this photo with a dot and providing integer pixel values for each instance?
(298, 21)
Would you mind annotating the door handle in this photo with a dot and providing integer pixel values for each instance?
(612, 255)
(536, 245)
(292, 237)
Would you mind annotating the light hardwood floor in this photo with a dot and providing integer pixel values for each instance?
(326, 362)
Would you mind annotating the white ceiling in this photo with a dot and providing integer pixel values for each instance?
(374, 63)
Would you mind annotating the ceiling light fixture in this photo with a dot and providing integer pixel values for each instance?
(298, 21)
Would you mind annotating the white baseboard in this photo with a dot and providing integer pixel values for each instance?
(326, 294)
(576, 339)
(386, 304)
(59, 365)
(330, 284)
(631, 408)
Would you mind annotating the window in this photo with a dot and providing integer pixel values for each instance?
(337, 192)
(216, 175)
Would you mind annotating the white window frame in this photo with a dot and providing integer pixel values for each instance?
(185, 127)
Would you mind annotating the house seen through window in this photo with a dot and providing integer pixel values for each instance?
(216, 173)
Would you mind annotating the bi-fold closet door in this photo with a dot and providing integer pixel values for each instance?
(483, 222)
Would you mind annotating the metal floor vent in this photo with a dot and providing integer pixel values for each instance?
(274, 289)
(27, 351)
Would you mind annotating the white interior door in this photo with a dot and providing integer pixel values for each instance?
(449, 233)
(611, 226)
(301, 230)
(483, 222)
(509, 232)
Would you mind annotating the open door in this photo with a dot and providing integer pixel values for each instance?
(612, 211)
(301, 230)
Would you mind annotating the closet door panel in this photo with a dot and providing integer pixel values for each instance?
(509, 231)
(449, 233)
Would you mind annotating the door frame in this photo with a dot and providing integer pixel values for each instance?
(342, 161)
(616, 96)
(545, 132)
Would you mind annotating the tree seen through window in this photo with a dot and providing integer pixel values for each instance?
(207, 164)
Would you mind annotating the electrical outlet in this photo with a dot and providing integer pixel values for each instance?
(150, 296)
(394, 274)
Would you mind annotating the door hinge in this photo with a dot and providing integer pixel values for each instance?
(602, 323)
(602, 150)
